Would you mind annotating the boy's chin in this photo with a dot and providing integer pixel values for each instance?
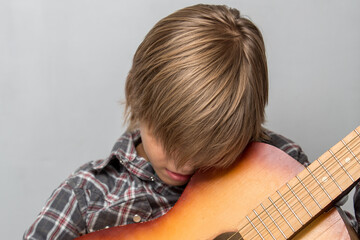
(176, 184)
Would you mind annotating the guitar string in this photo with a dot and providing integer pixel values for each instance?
(300, 207)
(309, 177)
(338, 169)
(267, 232)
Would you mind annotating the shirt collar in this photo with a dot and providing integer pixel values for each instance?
(124, 151)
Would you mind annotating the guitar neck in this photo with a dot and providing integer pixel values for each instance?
(310, 193)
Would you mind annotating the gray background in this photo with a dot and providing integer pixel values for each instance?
(63, 65)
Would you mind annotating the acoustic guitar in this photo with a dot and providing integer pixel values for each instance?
(265, 195)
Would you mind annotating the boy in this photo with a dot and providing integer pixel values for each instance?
(195, 98)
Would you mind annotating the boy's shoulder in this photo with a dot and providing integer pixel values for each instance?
(99, 190)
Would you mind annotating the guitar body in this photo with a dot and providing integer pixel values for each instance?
(216, 201)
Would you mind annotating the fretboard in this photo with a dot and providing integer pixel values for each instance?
(308, 194)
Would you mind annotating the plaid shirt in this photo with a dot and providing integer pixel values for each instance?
(119, 190)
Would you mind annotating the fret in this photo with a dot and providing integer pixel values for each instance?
(341, 165)
(273, 221)
(254, 227)
(287, 204)
(321, 186)
(281, 214)
(350, 149)
(332, 178)
(302, 204)
(357, 132)
(257, 215)
(317, 203)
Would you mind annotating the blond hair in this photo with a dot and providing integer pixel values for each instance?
(199, 82)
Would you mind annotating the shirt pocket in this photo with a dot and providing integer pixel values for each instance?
(120, 213)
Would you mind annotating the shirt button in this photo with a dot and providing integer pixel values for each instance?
(136, 218)
(152, 178)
